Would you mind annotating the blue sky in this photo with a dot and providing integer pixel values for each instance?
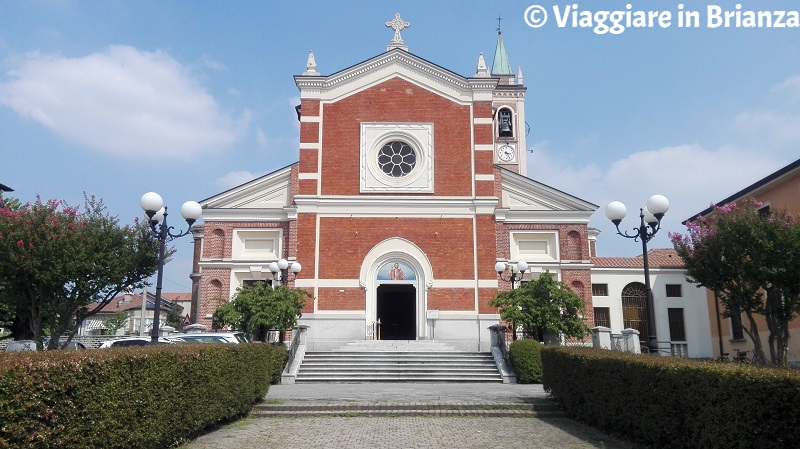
(117, 98)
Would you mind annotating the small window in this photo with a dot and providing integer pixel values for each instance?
(764, 212)
(599, 289)
(674, 291)
(602, 317)
(253, 282)
(737, 331)
(677, 328)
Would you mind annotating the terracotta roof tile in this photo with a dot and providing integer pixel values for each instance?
(656, 258)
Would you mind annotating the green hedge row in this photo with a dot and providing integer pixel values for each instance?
(147, 397)
(667, 402)
(526, 359)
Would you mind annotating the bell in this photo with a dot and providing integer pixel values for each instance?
(505, 128)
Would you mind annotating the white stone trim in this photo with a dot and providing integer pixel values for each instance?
(418, 135)
(482, 177)
(310, 145)
(484, 147)
(482, 121)
(314, 176)
(310, 119)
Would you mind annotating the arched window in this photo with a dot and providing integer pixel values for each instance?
(505, 127)
(634, 309)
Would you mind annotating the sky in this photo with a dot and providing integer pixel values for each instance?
(188, 99)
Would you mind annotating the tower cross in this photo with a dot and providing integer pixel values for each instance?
(498, 22)
(397, 24)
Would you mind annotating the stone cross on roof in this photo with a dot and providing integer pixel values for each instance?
(397, 24)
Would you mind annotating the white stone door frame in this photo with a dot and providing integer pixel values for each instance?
(400, 250)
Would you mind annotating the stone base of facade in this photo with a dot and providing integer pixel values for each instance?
(461, 331)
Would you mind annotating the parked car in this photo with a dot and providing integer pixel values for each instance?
(131, 341)
(211, 337)
(21, 345)
(75, 345)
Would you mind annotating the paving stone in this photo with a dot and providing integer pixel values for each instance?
(407, 416)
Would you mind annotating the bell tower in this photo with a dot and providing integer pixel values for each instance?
(508, 109)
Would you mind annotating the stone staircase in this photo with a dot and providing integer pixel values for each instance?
(397, 361)
(538, 408)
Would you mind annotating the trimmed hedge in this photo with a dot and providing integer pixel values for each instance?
(141, 397)
(526, 359)
(668, 402)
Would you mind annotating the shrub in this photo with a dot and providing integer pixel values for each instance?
(670, 402)
(526, 360)
(150, 397)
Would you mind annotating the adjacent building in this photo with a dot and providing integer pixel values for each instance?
(780, 191)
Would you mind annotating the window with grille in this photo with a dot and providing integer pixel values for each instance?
(602, 317)
(737, 332)
(764, 212)
(677, 327)
(674, 291)
(599, 289)
(634, 309)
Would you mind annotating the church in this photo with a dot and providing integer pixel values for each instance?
(408, 198)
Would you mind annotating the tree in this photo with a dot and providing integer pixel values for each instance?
(544, 306)
(58, 260)
(260, 308)
(752, 262)
(115, 322)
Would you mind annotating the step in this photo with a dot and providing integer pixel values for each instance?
(543, 408)
(397, 361)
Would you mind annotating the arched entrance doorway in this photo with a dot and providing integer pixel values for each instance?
(397, 311)
(396, 301)
(395, 276)
(634, 309)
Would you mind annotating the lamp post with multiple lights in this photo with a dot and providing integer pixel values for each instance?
(514, 270)
(649, 224)
(153, 206)
(282, 267)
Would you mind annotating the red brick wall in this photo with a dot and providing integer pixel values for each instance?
(341, 299)
(396, 100)
(451, 299)
(581, 283)
(344, 242)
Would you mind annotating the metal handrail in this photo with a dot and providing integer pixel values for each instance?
(296, 332)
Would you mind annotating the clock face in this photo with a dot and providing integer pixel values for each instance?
(506, 153)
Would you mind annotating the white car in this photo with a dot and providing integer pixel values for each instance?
(210, 337)
(131, 341)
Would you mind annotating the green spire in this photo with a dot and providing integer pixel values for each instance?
(501, 66)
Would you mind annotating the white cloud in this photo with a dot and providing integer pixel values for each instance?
(690, 176)
(789, 86)
(770, 126)
(261, 138)
(122, 101)
(235, 178)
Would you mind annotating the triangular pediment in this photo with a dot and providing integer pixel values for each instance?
(524, 194)
(393, 63)
(271, 191)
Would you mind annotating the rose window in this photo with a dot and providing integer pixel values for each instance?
(397, 159)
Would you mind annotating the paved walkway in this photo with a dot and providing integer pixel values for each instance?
(400, 431)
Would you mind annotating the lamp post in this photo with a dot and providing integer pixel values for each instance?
(518, 268)
(282, 267)
(153, 206)
(649, 224)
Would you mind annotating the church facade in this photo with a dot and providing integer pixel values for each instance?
(410, 187)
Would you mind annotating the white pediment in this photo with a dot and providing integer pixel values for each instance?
(524, 196)
(271, 191)
(394, 63)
